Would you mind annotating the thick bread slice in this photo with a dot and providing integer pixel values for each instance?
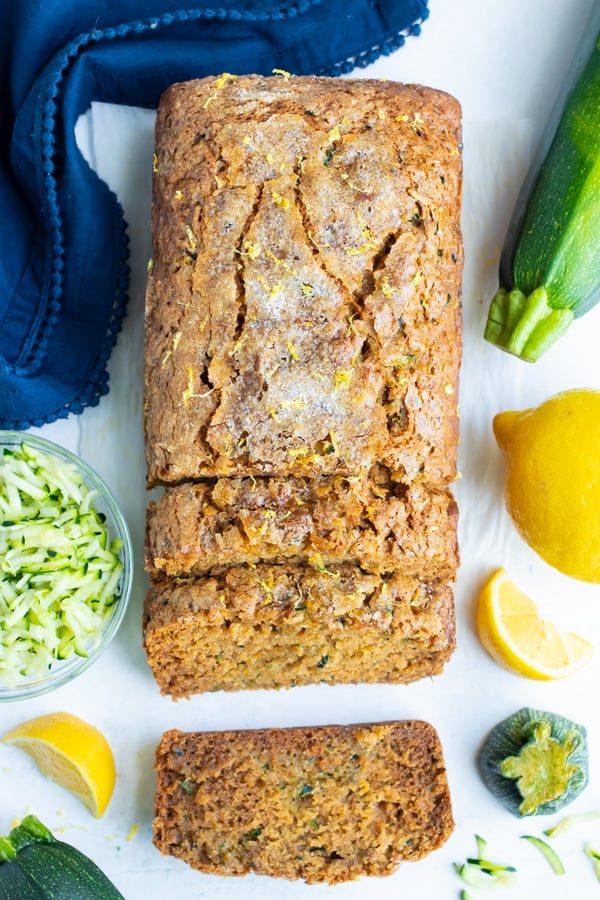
(324, 804)
(278, 626)
(372, 522)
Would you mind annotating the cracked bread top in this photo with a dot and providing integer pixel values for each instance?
(303, 305)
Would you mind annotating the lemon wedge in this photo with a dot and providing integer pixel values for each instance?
(72, 753)
(518, 637)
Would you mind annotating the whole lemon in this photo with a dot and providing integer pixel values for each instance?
(552, 486)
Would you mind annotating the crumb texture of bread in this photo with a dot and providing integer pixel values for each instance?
(322, 804)
(303, 306)
(280, 626)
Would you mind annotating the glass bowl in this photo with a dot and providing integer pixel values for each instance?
(61, 671)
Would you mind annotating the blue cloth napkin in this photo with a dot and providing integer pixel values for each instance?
(63, 263)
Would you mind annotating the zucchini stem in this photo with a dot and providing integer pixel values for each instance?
(30, 831)
(7, 851)
(525, 325)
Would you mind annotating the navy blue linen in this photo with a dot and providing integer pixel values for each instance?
(63, 259)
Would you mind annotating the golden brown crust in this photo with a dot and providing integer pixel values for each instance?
(271, 626)
(372, 522)
(324, 804)
(303, 310)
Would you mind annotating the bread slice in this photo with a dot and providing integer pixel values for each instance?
(323, 804)
(372, 522)
(270, 626)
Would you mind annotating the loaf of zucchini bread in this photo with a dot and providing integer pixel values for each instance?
(323, 804)
(302, 351)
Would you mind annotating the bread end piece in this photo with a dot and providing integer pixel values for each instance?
(324, 213)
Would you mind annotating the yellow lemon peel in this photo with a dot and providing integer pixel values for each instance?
(552, 481)
(72, 753)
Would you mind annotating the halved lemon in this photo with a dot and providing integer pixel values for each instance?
(518, 637)
(71, 752)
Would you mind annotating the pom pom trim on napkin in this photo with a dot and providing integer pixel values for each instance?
(62, 347)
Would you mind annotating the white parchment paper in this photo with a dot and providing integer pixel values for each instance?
(504, 60)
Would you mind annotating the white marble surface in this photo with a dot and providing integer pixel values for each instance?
(504, 60)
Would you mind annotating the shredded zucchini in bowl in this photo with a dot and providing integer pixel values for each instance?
(61, 570)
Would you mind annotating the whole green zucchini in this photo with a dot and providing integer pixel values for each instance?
(35, 866)
(550, 263)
